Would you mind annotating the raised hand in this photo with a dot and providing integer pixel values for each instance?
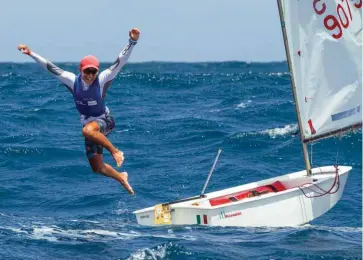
(24, 49)
(134, 34)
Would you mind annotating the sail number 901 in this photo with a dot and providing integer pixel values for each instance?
(341, 19)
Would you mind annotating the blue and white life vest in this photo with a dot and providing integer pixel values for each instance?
(88, 102)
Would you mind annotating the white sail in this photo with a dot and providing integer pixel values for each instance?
(325, 47)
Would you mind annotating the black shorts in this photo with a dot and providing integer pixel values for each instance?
(106, 124)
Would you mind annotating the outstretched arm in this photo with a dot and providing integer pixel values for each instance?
(67, 78)
(106, 76)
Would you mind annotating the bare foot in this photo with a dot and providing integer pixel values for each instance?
(125, 183)
(118, 157)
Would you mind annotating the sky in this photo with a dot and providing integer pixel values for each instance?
(171, 30)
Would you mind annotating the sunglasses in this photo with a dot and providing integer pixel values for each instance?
(90, 71)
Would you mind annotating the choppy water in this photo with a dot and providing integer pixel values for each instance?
(171, 118)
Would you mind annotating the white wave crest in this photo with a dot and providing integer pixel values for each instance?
(286, 130)
(279, 74)
(55, 234)
(147, 253)
(241, 105)
(335, 229)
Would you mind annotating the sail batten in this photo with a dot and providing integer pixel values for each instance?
(325, 51)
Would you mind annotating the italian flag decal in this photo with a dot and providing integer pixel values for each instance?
(205, 219)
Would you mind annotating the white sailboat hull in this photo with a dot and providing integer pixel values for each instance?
(289, 207)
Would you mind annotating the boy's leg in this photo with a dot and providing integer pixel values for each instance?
(95, 130)
(98, 166)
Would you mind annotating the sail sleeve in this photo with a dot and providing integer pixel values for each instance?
(325, 47)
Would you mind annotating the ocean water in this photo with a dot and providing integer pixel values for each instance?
(171, 118)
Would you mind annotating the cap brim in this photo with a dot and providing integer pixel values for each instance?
(89, 66)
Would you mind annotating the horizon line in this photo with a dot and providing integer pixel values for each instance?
(157, 61)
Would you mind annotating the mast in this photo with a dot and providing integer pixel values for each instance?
(304, 147)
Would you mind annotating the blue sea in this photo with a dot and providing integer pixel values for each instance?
(171, 118)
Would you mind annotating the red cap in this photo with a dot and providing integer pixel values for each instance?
(89, 62)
